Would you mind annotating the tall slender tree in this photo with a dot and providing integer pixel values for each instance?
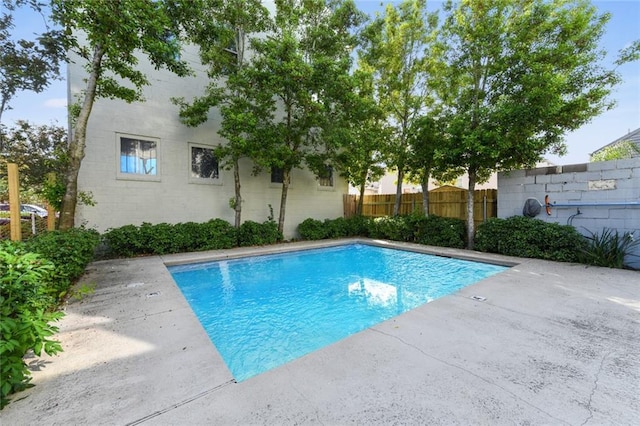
(396, 46)
(517, 75)
(364, 137)
(298, 73)
(223, 30)
(110, 36)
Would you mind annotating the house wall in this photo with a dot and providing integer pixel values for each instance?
(603, 182)
(173, 197)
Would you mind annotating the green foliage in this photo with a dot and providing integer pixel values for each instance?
(110, 38)
(253, 233)
(525, 237)
(312, 229)
(608, 248)
(26, 64)
(165, 238)
(619, 151)
(70, 251)
(509, 91)
(38, 150)
(438, 231)
(396, 228)
(26, 301)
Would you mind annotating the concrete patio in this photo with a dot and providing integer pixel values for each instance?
(552, 343)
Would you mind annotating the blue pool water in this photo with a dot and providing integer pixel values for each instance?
(261, 312)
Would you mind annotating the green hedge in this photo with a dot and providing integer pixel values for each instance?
(35, 276)
(525, 237)
(165, 238)
(431, 230)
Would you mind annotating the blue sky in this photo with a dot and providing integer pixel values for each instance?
(50, 106)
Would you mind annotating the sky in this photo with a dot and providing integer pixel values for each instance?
(49, 107)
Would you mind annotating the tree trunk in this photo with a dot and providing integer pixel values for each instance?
(283, 199)
(396, 205)
(360, 200)
(425, 194)
(238, 201)
(471, 232)
(75, 151)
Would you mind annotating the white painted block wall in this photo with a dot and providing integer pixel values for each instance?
(593, 183)
(172, 198)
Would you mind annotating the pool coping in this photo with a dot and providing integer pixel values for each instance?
(235, 253)
(544, 343)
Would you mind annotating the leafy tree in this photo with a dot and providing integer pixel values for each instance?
(25, 64)
(38, 150)
(396, 47)
(223, 31)
(110, 36)
(517, 75)
(298, 76)
(618, 151)
(425, 137)
(363, 143)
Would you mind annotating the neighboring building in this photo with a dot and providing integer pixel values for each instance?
(143, 165)
(633, 136)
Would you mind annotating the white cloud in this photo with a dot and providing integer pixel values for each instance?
(56, 103)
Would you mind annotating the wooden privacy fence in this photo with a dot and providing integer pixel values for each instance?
(446, 201)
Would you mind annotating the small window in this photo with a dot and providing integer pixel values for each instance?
(138, 157)
(277, 175)
(204, 164)
(326, 180)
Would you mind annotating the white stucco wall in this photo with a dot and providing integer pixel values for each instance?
(172, 197)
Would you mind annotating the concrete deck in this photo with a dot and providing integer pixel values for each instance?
(552, 344)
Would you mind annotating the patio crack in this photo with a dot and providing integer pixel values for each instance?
(595, 388)
(471, 373)
(181, 403)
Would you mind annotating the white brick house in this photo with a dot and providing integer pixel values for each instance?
(143, 165)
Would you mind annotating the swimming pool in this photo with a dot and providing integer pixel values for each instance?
(264, 311)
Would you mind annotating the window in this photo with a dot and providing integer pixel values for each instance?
(138, 157)
(326, 179)
(204, 165)
(277, 175)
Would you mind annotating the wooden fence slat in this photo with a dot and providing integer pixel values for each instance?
(444, 201)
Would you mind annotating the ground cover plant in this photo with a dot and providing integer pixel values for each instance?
(608, 248)
(35, 277)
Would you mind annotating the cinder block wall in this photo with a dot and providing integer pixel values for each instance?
(609, 184)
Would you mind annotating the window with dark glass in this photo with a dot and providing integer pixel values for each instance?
(277, 175)
(204, 164)
(326, 179)
(138, 156)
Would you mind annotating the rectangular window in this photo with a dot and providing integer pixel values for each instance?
(326, 180)
(204, 164)
(138, 157)
(277, 175)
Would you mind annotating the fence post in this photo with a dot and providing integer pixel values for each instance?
(14, 201)
(51, 213)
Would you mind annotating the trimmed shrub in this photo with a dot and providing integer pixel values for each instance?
(359, 226)
(253, 233)
(218, 234)
(70, 252)
(165, 238)
(312, 229)
(396, 228)
(438, 231)
(526, 237)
